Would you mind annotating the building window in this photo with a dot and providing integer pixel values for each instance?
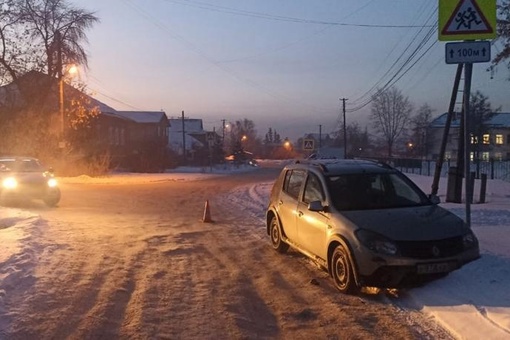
(117, 136)
(474, 139)
(111, 138)
(486, 139)
(499, 139)
(498, 156)
(485, 156)
(447, 155)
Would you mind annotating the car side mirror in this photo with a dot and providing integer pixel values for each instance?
(316, 206)
(434, 199)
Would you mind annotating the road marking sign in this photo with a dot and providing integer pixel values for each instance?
(467, 19)
(468, 52)
(308, 144)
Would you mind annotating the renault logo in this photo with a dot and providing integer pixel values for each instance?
(435, 251)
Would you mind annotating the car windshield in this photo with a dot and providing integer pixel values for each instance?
(368, 191)
(20, 165)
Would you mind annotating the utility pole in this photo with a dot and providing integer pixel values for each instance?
(223, 134)
(468, 73)
(320, 137)
(345, 127)
(183, 140)
(440, 160)
(60, 76)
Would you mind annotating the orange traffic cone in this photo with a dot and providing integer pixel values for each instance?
(207, 213)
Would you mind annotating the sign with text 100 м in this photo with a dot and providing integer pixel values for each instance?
(468, 52)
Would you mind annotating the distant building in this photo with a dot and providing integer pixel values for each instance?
(495, 143)
(188, 134)
(129, 137)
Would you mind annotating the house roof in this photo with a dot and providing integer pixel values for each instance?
(190, 125)
(500, 119)
(47, 81)
(143, 116)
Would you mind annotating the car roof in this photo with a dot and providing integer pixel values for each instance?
(332, 167)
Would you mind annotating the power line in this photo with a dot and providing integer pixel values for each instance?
(260, 15)
(403, 69)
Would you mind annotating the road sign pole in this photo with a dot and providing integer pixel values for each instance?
(468, 73)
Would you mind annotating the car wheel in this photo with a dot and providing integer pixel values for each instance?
(52, 198)
(341, 271)
(276, 236)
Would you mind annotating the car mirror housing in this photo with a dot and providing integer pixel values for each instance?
(316, 206)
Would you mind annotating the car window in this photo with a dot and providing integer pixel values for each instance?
(293, 181)
(373, 191)
(313, 189)
(29, 165)
(404, 192)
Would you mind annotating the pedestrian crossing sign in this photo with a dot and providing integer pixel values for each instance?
(308, 144)
(467, 19)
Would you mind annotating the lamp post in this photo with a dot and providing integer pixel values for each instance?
(70, 70)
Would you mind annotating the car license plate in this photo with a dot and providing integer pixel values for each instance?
(432, 268)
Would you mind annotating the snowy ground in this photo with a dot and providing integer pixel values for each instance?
(472, 303)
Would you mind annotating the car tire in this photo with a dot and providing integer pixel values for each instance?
(342, 272)
(52, 198)
(276, 236)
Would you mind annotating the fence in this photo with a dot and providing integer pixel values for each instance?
(493, 169)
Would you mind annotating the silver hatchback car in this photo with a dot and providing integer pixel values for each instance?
(366, 223)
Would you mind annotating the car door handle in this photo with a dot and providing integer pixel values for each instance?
(280, 202)
(300, 213)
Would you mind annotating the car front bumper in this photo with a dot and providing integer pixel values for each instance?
(399, 272)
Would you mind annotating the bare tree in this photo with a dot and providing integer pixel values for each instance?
(420, 123)
(390, 114)
(480, 113)
(358, 140)
(503, 25)
(42, 35)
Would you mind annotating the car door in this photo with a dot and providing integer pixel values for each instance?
(312, 225)
(288, 201)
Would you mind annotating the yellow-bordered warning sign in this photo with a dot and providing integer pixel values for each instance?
(308, 144)
(467, 19)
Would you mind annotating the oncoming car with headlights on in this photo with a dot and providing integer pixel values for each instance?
(25, 178)
(366, 223)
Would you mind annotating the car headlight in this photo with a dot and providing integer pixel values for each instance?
(52, 182)
(469, 240)
(10, 183)
(376, 242)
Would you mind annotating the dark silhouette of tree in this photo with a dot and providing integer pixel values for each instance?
(419, 126)
(390, 114)
(503, 28)
(41, 35)
(480, 113)
(272, 137)
(358, 141)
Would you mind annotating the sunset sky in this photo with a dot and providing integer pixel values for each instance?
(283, 64)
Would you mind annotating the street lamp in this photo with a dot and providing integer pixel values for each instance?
(72, 69)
